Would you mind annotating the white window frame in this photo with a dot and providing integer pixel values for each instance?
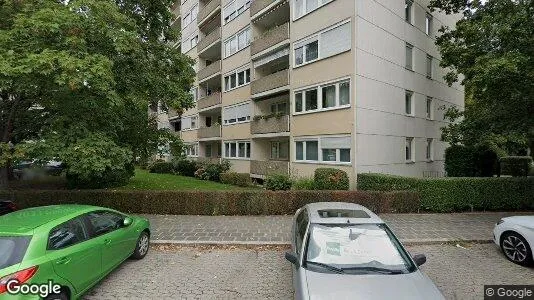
(194, 92)
(428, 23)
(235, 38)
(247, 118)
(429, 150)
(248, 148)
(192, 19)
(235, 12)
(191, 150)
(196, 122)
(410, 65)
(312, 38)
(408, 11)
(320, 150)
(412, 106)
(429, 109)
(319, 89)
(236, 74)
(429, 66)
(278, 147)
(411, 141)
(305, 11)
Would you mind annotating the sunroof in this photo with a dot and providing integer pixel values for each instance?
(342, 213)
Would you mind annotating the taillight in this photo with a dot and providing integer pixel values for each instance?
(20, 276)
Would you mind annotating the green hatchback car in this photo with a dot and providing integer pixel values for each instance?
(67, 246)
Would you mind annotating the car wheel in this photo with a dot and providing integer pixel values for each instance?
(516, 248)
(61, 296)
(141, 249)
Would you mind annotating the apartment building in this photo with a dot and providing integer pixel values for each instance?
(288, 86)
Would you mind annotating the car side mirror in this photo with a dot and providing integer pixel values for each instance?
(127, 222)
(292, 258)
(419, 259)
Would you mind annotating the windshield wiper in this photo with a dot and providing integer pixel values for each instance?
(329, 267)
(375, 269)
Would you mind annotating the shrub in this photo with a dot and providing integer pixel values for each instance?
(212, 171)
(277, 182)
(239, 179)
(185, 167)
(304, 183)
(459, 161)
(255, 202)
(458, 194)
(107, 178)
(515, 165)
(330, 179)
(485, 161)
(161, 167)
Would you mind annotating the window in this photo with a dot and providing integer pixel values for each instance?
(429, 108)
(327, 43)
(189, 123)
(67, 234)
(324, 149)
(279, 108)
(207, 150)
(236, 79)
(408, 103)
(301, 226)
(428, 24)
(194, 92)
(331, 95)
(280, 150)
(235, 8)
(429, 66)
(409, 56)
(408, 11)
(191, 16)
(194, 41)
(104, 222)
(237, 149)
(409, 149)
(303, 7)
(237, 42)
(236, 114)
(429, 150)
(191, 149)
(194, 122)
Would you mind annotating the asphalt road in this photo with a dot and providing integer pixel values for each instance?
(262, 273)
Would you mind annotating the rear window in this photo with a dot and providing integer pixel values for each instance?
(342, 213)
(13, 249)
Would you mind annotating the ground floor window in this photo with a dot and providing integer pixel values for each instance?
(324, 149)
(191, 150)
(279, 150)
(237, 149)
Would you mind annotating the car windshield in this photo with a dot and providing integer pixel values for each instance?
(12, 250)
(356, 248)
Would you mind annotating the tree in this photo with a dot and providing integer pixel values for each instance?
(492, 47)
(73, 70)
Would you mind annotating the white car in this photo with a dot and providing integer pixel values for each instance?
(515, 236)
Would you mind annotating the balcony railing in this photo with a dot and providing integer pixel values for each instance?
(270, 125)
(208, 101)
(257, 5)
(206, 10)
(210, 70)
(209, 132)
(209, 39)
(270, 38)
(270, 82)
(269, 167)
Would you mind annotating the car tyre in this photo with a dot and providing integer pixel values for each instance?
(141, 248)
(61, 296)
(516, 248)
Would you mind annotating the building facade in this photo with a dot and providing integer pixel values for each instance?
(288, 86)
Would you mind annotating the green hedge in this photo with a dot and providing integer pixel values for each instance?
(214, 202)
(515, 165)
(458, 194)
(278, 182)
(330, 179)
(161, 167)
(238, 179)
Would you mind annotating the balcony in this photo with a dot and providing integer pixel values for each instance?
(209, 132)
(269, 167)
(270, 125)
(270, 38)
(257, 5)
(210, 70)
(270, 82)
(207, 10)
(209, 39)
(209, 101)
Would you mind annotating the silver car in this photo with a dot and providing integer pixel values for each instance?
(345, 251)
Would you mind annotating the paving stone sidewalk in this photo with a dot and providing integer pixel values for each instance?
(410, 228)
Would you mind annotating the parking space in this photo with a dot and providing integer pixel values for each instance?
(262, 273)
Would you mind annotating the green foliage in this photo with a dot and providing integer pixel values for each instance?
(458, 194)
(331, 179)
(185, 167)
(212, 171)
(238, 179)
(463, 161)
(277, 182)
(214, 202)
(515, 165)
(303, 183)
(161, 167)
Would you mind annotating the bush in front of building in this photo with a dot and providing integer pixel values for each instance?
(277, 182)
(330, 179)
(185, 167)
(238, 179)
(212, 171)
(458, 194)
(464, 161)
(515, 165)
(161, 167)
(303, 183)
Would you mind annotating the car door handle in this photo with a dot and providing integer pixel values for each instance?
(107, 241)
(63, 261)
